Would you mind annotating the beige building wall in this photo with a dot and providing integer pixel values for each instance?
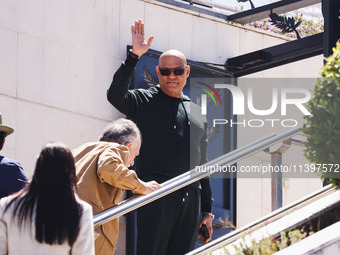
(57, 59)
(254, 198)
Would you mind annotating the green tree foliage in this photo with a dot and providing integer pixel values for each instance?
(323, 126)
(269, 245)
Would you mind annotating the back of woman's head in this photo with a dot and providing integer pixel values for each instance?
(51, 195)
(54, 173)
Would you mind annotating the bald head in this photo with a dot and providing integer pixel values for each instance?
(172, 53)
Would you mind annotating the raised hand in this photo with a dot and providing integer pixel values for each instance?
(139, 44)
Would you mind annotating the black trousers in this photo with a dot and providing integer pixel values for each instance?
(169, 226)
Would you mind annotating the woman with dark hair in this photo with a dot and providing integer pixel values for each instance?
(47, 217)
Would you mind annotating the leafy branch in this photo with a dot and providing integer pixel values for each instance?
(148, 77)
(286, 24)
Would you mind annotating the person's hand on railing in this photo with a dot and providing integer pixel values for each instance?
(151, 186)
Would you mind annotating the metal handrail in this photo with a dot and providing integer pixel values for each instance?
(190, 177)
(239, 233)
(229, 154)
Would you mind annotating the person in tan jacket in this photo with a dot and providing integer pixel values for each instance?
(103, 175)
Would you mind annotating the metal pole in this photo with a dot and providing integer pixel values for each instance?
(276, 161)
(276, 175)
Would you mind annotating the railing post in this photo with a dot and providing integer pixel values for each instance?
(276, 162)
(276, 175)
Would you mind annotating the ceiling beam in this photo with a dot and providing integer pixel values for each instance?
(262, 12)
(275, 56)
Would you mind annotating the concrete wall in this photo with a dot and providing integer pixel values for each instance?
(57, 59)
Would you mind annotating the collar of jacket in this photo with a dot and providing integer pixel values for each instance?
(183, 97)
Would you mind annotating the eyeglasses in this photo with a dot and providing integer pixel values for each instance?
(168, 71)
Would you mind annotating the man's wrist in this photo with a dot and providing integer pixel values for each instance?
(133, 55)
(131, 59)
(208, 214)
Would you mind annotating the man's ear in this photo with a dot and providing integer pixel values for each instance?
(188, 70)
(157, 71)
(129, 145)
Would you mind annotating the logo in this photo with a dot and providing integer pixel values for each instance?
(281, 98)
(239, 101)
(204, 97)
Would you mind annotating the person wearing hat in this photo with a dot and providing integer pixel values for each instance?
(12, 176)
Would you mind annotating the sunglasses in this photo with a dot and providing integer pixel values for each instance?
(168, 71)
